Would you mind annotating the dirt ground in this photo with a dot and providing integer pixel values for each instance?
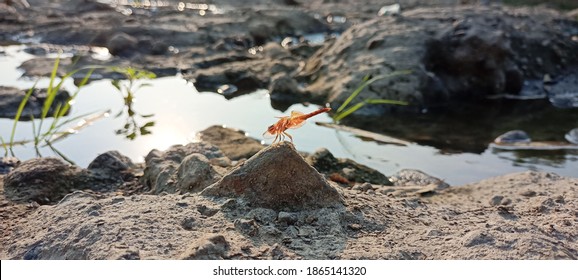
(529, 215)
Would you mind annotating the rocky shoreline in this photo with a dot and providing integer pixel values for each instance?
(194, 202)
(229, 197)
(492, 64)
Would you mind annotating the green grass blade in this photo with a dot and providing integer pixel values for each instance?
(86, 120)
(349, 111)
(385, 101)
(351, 97)
(4, 146)
(19, 113)
(36, 137)
(50, 95)
(60, 125)
(60, 112)
(55, 120)
(50, 92)
(367, 83)
(56, 151)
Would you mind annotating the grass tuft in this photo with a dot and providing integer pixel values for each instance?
(344, 111)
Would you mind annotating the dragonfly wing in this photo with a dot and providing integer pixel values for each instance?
(295, 114)
(296, 123)
(296, 120)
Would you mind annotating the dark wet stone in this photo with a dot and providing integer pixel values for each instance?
(284, 89)
(480, 52)
(122, 44)
(220, 59)
(267, 26)
(514, 136)
(480, 73)
(111, 161)
(326, 163)
(241, 75)
(10, 99)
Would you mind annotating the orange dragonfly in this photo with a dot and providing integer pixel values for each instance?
(295, 120)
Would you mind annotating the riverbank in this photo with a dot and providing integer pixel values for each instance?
(194, 202)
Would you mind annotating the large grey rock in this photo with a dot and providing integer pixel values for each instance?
(277, 178)
(195, 173)
(111, 161)
(265, 26)
(10, 99)
(181, 168)
(48, 180)
(43, 180)
(122, 44)
(482, 51)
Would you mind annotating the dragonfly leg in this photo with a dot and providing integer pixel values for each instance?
(288, 135)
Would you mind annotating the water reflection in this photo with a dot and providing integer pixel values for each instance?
(471, 128)
(136, 124)
(533, 159)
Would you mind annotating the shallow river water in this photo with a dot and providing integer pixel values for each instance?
(180, 112)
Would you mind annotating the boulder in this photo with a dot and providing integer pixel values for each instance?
(122, 44)
(277, 178)
(480, 52)
(112, 166)
(181, 168)
(42, 180)
(10, 99)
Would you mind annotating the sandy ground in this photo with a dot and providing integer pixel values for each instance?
(527, 215)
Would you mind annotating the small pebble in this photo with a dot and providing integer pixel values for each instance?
(355, 226)
(363, 187)
(528, 193)
(287, 217)
(188, 223)
(496, 200)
